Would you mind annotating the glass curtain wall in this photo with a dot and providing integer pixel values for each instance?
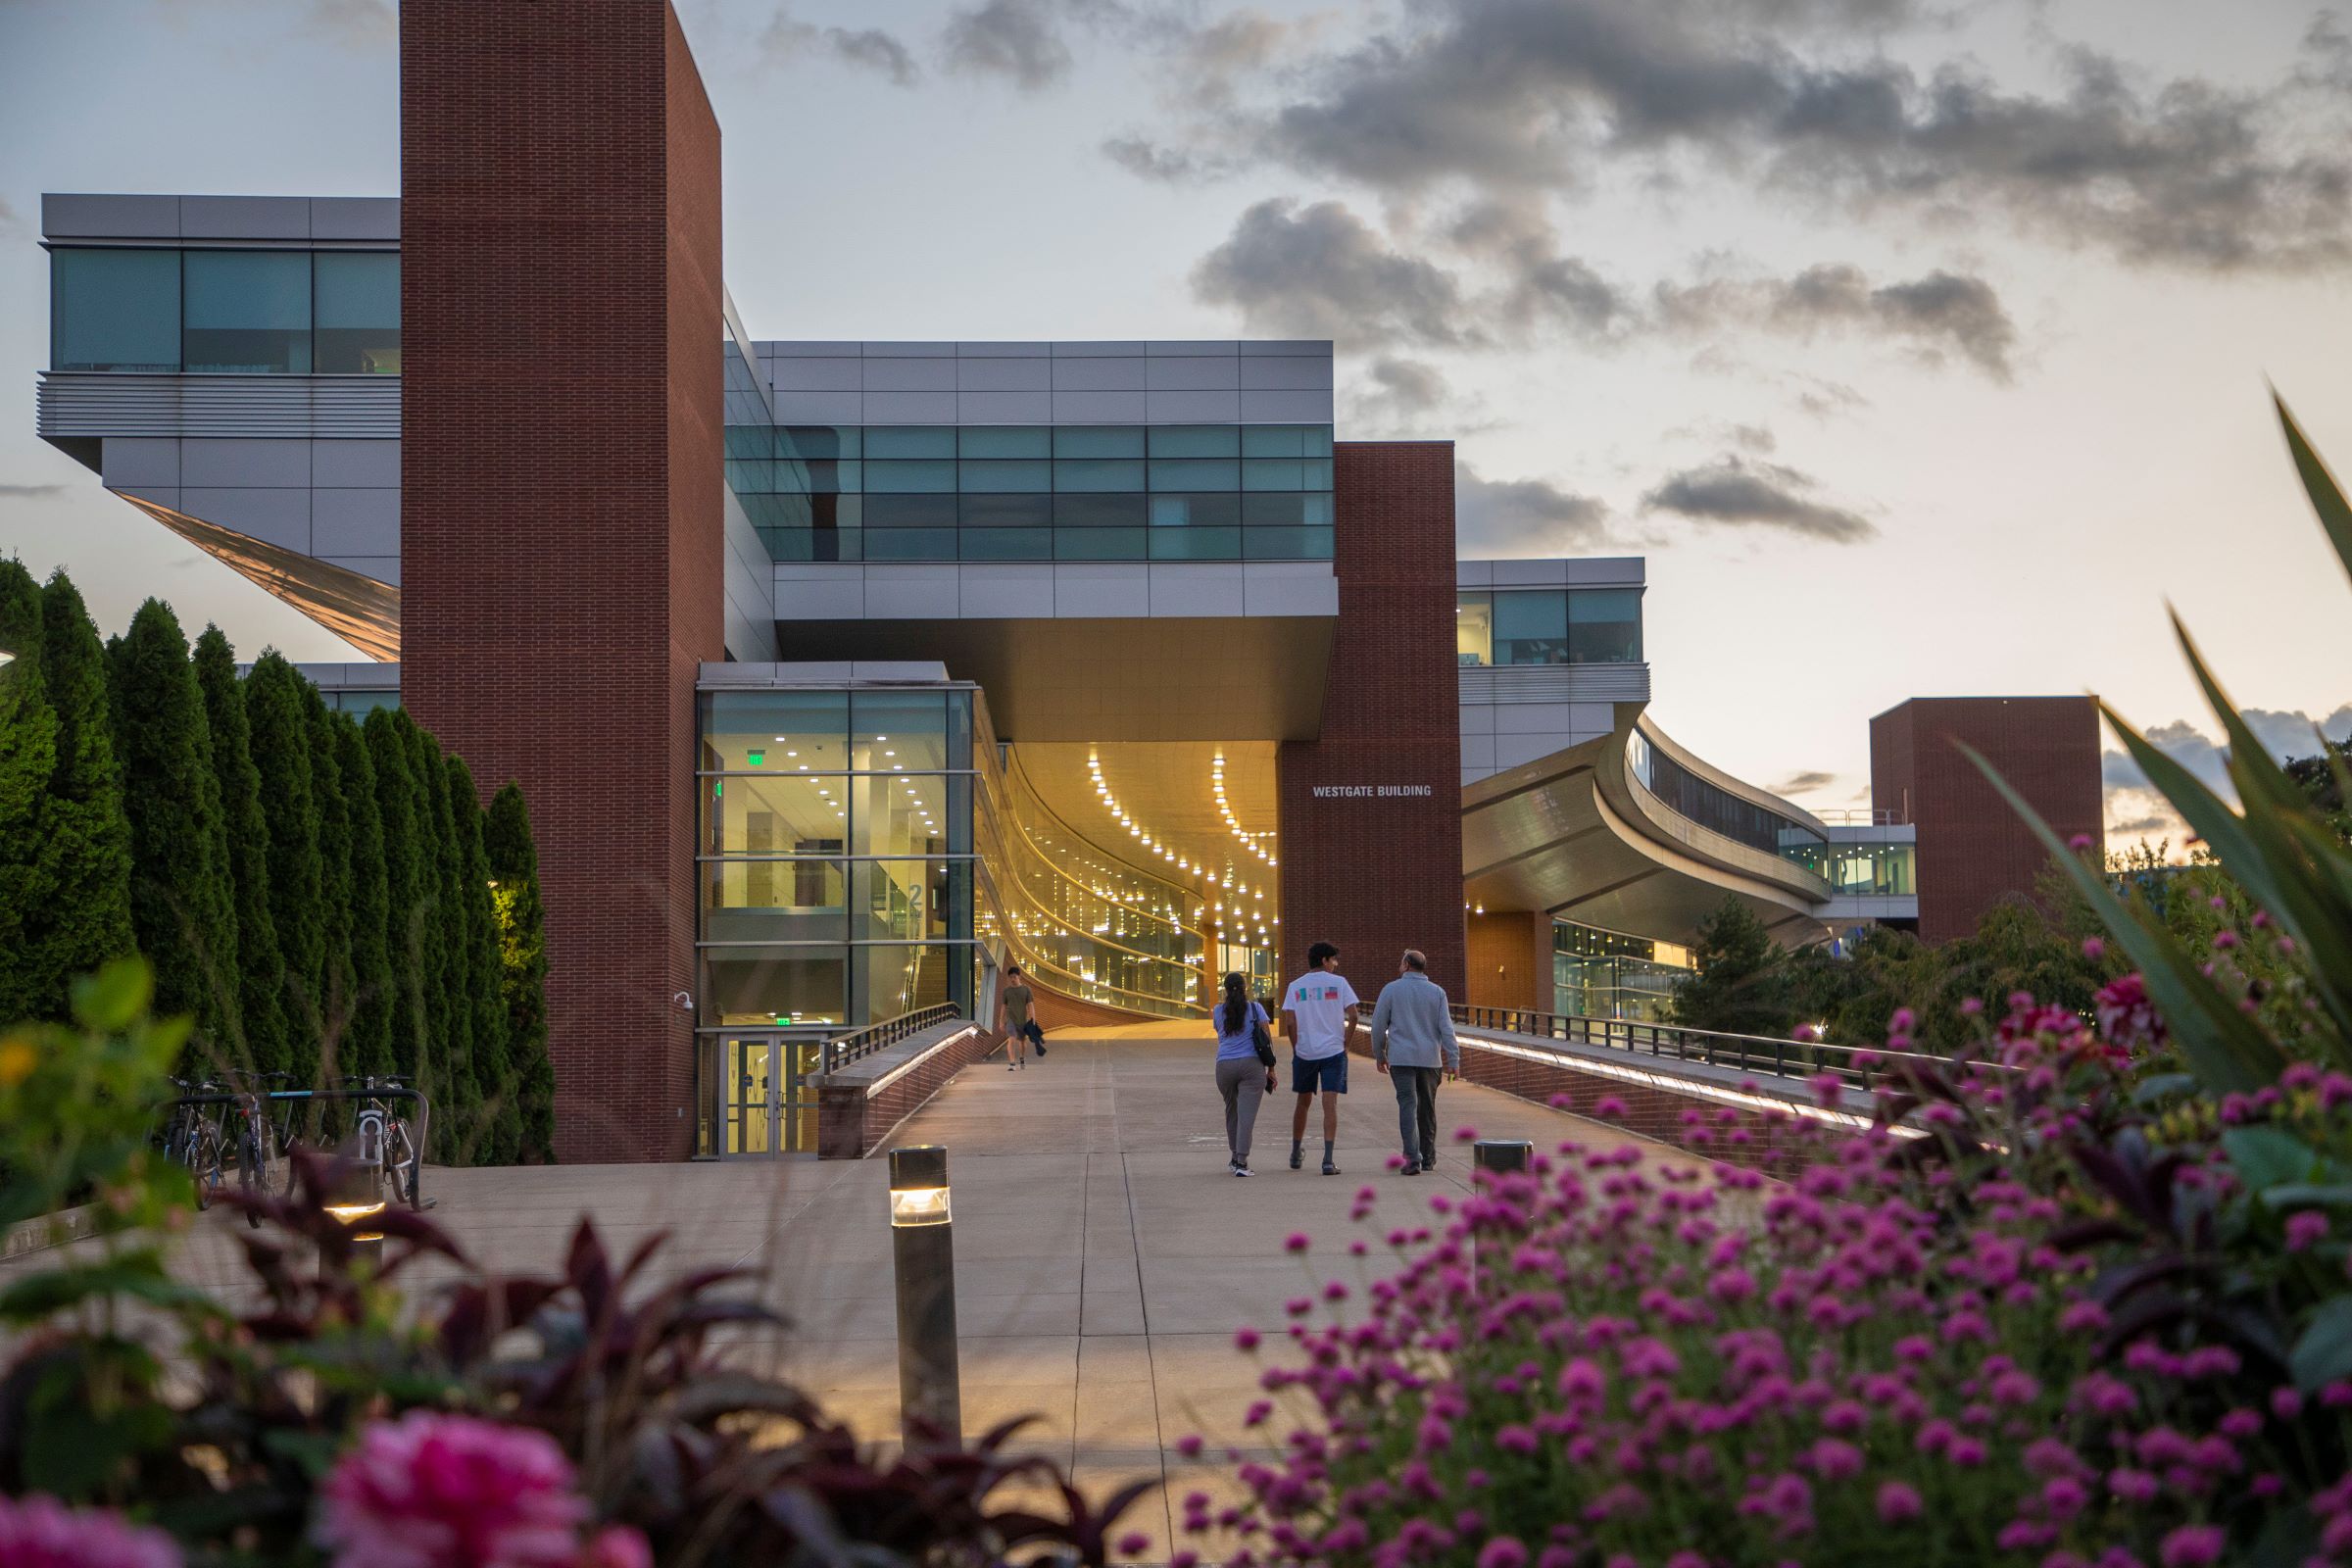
(1713, 806)
(1548, 626)
(1608, 974)
(158, 309)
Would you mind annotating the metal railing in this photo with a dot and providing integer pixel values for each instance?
(288, 1135)
(1761, 1055)
(842, 1050)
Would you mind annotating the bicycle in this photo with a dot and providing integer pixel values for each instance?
(193, 1140)
(385, 1142)
(257, 1140)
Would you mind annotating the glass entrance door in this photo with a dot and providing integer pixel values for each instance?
(767, 1099)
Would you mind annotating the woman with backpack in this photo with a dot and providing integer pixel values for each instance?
(1245, 1066)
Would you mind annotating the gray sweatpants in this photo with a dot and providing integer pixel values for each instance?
(1242, 1083)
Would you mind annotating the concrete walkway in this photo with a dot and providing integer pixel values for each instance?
(1104, 1254)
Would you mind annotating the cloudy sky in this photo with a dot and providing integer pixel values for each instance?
(1920, 346)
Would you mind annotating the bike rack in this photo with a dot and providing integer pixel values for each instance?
(424, 1111)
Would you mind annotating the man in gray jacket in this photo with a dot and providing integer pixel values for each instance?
(1412, 1032)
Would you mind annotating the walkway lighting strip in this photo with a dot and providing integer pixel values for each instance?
(1696, 1088)
(913, 1063)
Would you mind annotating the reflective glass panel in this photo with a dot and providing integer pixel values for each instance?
(1273, 441)
(747, 985)
(814, 441)
(899, 732)
(908, 511)
(909, 900)
(1531, 628)
(1099, 511)
(1098, 473)
(1474, 628)
(789, 732)
(1099, 441)
(1195, 441)
(911, 441)
(893, 478)
(1273, 474)
(1006, 512)
(794, 813)
(1196, 544)
(910, 544)
(113, 309)
(1196, 473)
(1005, 544)
(1286, 544)
(1099, 544)
(358, 295)
(1604, 626)
(1196, 511)
(1004, 441)
(891, 980)
(775, 901)
(247, 311)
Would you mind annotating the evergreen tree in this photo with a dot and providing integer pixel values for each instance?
(522, 969)
(262, 975)
(500, 1127)
(368, 1041)
(183, 903)
(282, 755)
(407, 900)
(28, 759)
(453, 1082)
(1740, 986)
(336, 978)
(85, 839)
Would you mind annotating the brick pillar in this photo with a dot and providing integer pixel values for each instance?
(1383, 872)
(561, 502)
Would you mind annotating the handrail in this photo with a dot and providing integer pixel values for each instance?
(842, 1050)
(1767, 1056)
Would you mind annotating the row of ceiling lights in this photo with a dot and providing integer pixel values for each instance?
(1253, 842)
(1247, 922)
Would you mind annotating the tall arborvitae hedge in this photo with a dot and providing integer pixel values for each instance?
(494, 1080)
(523, 968)
(27, 762)
(326, 898)
(182, 896)
(85, 837)
(282, 754)
(409, 921)
(267, 1043)
(368, 1040)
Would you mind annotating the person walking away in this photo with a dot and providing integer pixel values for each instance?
(1017, 1016)
(1245, 1068)
(1319, 1013)
(1412, 1034)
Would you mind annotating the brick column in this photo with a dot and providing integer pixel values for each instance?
(560, 503)
(1381, 873)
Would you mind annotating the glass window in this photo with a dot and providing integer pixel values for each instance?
(909, 511)
(899, 732)
(358, 294)
(891, 980)
(813, 441)
(1099, 441)
(793, 813)
(775, 901)
(1318, 440)
(1098, 473)
(1196, 511)
(1273, 441)
(1474, 628)
(1127, 511)
(744, 985)
(1273, 510)
(1286, 544)
(911, 441)
(910, 544)
(1273, 474)
(1196, 473)
(247, 311)
(1004, 441)
(113, 309)
(1099, 544)
(1604, 626)
(833, 476)
(901, 814)
(1005, 544)
(1531, 628)
(1195, 441)
(994, 475)
(789, 732)
(913, 900)
(1004, 511)
(1196, 544)
(892, 477)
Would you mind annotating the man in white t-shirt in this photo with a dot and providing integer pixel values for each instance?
(1318, 1013)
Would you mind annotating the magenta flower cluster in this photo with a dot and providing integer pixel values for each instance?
(1614, 1361)
(39, 1532)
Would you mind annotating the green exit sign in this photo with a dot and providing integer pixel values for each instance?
(757, 757)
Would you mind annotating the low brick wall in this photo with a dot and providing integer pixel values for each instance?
(1769, 1125)
(859, 1105)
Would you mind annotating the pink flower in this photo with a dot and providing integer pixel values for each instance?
(1132, 1543)
(1899, 1502)
(1502, 1552)
(40, 1532)
(1608, 1106)
(2304, 1228)
(435, 1491)
(1296, 1242)
(2192, 1547)
(1245, 1339)
(617, 1546)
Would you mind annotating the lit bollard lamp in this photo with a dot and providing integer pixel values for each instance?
(1503, 1156)
(923, 1244)
(358, 1201)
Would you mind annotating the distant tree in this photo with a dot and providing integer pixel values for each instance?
(28, 759)
(452, 1078)
(1741, 984)
(409, 903)
(338, 981)
(500, 1127)
(368, 1041)
(276, 707)
(86, 839)
(2321, 776)
(267, 1043)
(513, 861)
(183, 895)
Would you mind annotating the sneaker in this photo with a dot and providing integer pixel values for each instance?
(1298, 1156)
(1330, 1168)
(1009, 1067)
(1413, 1169)
(1243, 1170)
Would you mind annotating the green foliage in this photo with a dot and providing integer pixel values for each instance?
(1741, 985)
(409, 918)
(448, 1069)
(338, 979)
(183, 904)
(28, 759)
(513, 861)
(499, 1132)
(275, 707)
(368, 1040)
(267, 1041)
(83, 917)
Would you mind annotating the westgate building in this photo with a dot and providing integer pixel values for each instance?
(840, 674)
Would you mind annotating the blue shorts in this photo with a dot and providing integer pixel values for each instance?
(1327, 1073)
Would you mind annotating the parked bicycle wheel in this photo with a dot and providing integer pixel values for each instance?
(203, 1162)
(253, 1172)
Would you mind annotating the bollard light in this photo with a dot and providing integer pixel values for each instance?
(358, 1201)
(1503, 1156)
(922, 1239)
